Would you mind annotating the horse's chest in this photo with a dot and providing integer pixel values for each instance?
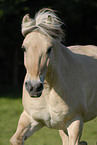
(53, 114)
(55, 119)
(50, 117)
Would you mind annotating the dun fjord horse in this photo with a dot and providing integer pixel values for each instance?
(60, 86)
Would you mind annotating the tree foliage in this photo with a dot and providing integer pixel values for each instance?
(78, 15)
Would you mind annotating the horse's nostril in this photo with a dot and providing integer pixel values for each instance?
(31, 88)
(39, 87)
(26, 83)
(28, 86)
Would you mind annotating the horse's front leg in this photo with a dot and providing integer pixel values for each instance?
(75, 127)
(26, 127)
(64, 137)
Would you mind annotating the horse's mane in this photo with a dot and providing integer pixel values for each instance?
(46, 22)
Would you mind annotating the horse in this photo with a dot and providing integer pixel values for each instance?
(60, 85)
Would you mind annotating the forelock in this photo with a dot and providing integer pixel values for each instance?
(46, 22)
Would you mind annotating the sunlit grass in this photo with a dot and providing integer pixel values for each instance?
(90, 132)
(9, 113)
(10, 110)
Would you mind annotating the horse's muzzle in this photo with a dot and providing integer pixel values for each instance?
(34, 90)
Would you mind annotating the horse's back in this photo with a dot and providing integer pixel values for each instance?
(89, 50)
(91, 71)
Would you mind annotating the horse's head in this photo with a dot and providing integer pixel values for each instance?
(37, 52)
(38, 47)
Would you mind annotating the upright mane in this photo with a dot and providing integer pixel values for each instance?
(46, 22)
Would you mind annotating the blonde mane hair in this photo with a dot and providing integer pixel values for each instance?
(46, 22)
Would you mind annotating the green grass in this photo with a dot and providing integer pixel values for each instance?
(10, 110)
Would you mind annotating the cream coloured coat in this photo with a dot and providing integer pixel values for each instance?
(69, 96)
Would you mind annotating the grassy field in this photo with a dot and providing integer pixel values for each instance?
(10, 110)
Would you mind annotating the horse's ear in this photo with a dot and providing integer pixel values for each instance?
(52, 20)
(49, 18)
(26, 19)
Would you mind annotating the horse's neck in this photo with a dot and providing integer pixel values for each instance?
(58, 64)
(62, 57)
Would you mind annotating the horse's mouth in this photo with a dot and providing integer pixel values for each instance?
(37, 95)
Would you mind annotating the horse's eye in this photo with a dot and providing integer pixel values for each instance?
(49, 50)
(23, 48)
